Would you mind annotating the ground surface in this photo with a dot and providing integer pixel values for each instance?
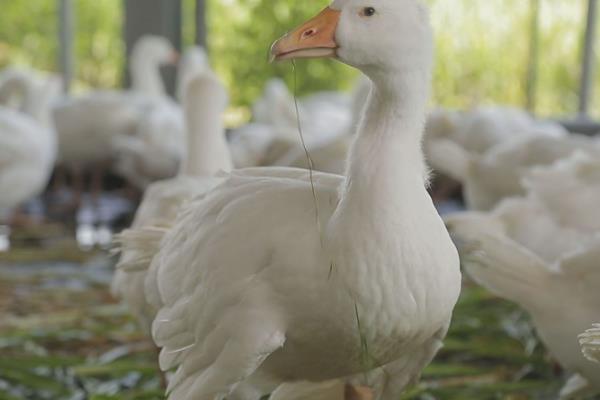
(62, 336)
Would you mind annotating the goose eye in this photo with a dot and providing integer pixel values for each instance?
(367, 12)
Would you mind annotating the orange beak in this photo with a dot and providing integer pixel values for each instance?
(314, 39)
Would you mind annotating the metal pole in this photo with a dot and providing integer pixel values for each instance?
(201, 23)
(154, 17)
(534, 53)
(66, 56)
(587, 73)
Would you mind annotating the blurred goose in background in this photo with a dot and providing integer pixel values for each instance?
(142, 129)
(256, 144)
(27, 151)
(326, 156)
(326, 119)
(193, 62)
(590, 343)
(157, 148)
(276, 107)
(570, 190)
(461, 144)
(498, 174)
(329, 154)
(148, 55)
(204, 101)
(247, 274)
(15, 85)
(273, 131)
(481, 129)
(533, 252)
(325, 115)
(30, 92)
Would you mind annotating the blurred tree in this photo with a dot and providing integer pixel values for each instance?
(482, 48)
(28, 33)
(29, 37)
(99, 48)
(241, 32)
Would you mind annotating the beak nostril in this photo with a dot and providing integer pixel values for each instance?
(308, 33)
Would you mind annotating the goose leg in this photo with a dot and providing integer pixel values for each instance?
(78, 186)
(19, 218)
(97, 181)
(4, 234)
(60, 179)
(164, 383)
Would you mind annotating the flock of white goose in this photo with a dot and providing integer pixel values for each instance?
(337, 283)
(138, 133)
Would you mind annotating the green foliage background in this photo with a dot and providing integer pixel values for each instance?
(482, 48)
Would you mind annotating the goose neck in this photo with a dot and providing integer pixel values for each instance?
(386, 161)
(146, 78)
(208, 151)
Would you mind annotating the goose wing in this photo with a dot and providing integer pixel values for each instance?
(219, 270)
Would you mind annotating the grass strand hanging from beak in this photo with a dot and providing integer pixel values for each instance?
(307, 153)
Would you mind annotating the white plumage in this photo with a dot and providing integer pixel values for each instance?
(498, 173)
(329, 153)
(541, 253)
(27, 138)
(327, 119)
(193, 62)
(590, 343)
(204, 102)
(326, 156)
(156, 147)
(27, 151)
(141, 131)
(330, 390)
(256, 292)
(149, 53)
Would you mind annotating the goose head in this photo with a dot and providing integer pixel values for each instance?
(155, 50)
(205, 91)
(205, 99)
(193, 62)
(375, 36)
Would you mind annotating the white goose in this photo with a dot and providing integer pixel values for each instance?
(498, 173)
(272, 139)
(15, 84)
(193, 62)
(27, 149)
(142, 128)
(482, 128)
(156, 150)
(256, 292)
(272, 132)
(147, 56)
(536, 253)
(205, 100)
(257, 144)
(30, 92)
(590, 343)
(329, 154)
(326, 156)
(276, 108)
